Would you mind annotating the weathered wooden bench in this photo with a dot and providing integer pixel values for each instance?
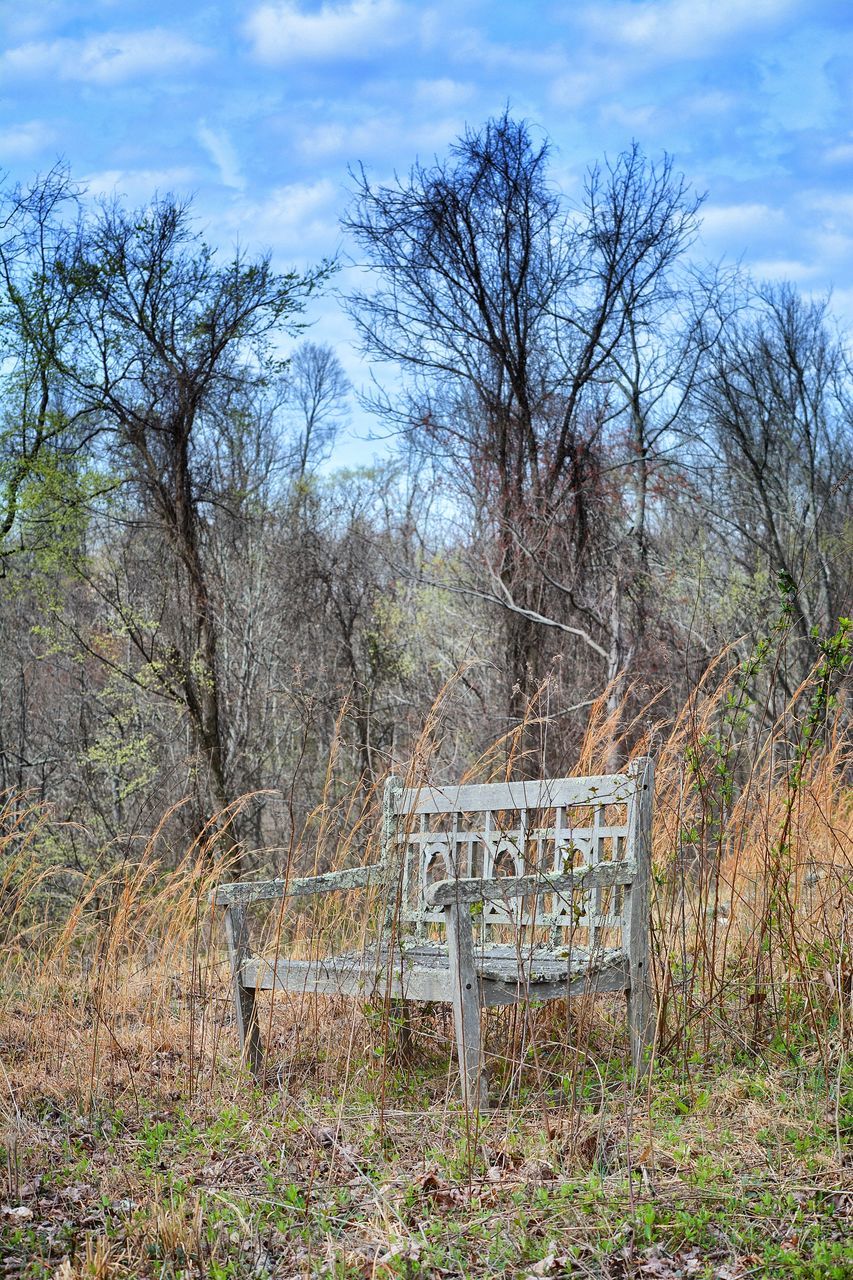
(494, 894)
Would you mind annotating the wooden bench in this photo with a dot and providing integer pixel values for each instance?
(493, 894)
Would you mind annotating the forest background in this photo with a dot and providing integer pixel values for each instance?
(611, 465)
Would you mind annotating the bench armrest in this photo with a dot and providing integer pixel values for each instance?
(446, 893)
(242, 893)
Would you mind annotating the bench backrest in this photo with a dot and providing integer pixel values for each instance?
(543, 828)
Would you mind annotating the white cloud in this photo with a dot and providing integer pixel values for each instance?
(842, 306)
(27, 21)
(790, 269)
(641, 118)
(442, 93)
(834, 249)
(334, 138)
(25, 139)
(796, 76)
(283, 32)
(139, 186)
(737, 223)
(223, 154)
(835, 205)
(577, 88)
(841, 153)
(631, 119)
(469, 46)
(668, 29)
(618, 41)
(809, 241)
(714, 103)
(377, 137)
(110, 58)
(298, 220)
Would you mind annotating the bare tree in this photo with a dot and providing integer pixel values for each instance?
(508, 312)
(316, 389)
(169, 342)
(41, 438)
(774, 413)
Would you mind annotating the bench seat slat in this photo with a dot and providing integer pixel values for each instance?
(423, 973)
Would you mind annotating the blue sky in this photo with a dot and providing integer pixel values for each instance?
(257, 109)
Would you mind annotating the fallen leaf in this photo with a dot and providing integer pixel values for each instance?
(19, 1212)
(323, 1135)
(659, 1264)
(405, 1250)
(545, 1266)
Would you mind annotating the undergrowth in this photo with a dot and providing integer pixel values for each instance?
(134, 1144)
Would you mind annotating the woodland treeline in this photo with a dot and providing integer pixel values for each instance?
(610, 462)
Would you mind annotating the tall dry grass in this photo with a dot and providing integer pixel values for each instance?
(112, 983)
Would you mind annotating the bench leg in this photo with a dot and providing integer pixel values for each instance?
(640, 1023)
(466, 1007)
(237, 936)
(641, 1012)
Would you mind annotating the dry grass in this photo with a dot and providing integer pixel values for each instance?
(115, 1019)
